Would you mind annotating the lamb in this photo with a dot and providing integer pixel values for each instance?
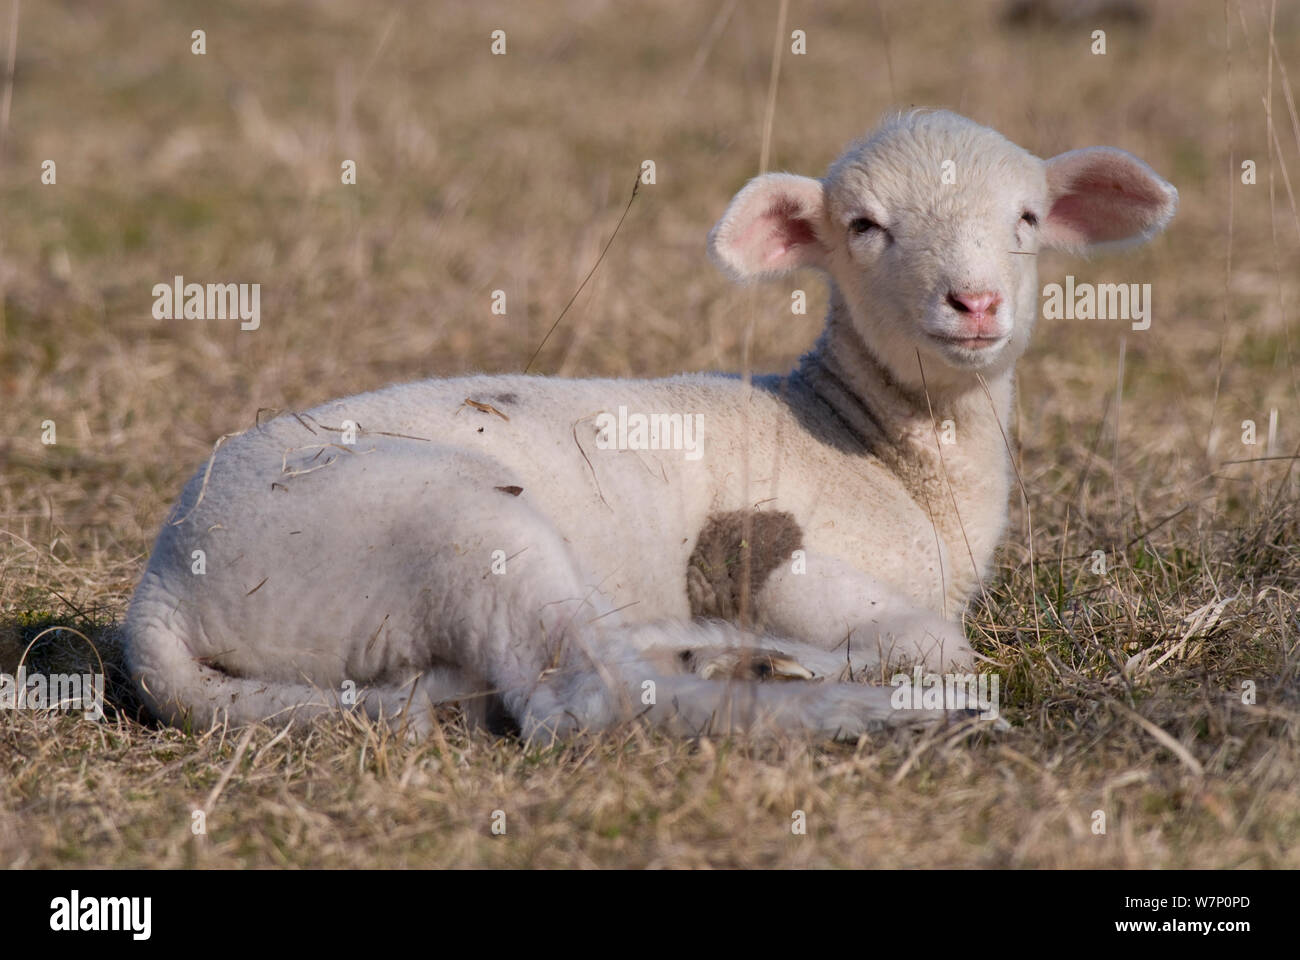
(535, 550)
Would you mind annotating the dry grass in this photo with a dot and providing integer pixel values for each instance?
(480, 172)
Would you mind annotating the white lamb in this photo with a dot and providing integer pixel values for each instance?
(517, 544)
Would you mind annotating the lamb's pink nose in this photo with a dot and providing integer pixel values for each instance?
(977, 304)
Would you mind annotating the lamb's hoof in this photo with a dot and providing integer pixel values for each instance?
(745, 663)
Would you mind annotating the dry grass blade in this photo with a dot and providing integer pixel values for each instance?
(1163, 738)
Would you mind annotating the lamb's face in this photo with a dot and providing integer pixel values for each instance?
(931, 229)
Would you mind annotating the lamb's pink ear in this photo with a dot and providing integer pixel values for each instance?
(771, 227)
(1103, 195)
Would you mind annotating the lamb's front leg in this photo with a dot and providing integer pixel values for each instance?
(832, 605)
(687, 704)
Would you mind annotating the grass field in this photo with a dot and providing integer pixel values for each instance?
(478, 172)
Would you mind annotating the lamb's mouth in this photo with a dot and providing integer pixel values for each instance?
(971, 343)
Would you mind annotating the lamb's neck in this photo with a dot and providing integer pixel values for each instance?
(949, 447)
(880, 409)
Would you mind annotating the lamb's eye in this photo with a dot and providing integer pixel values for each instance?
(1030, 218)
(863, 225)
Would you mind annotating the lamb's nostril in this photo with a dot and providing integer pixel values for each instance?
(978, 303)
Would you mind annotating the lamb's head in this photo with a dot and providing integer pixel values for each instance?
(929, 229)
